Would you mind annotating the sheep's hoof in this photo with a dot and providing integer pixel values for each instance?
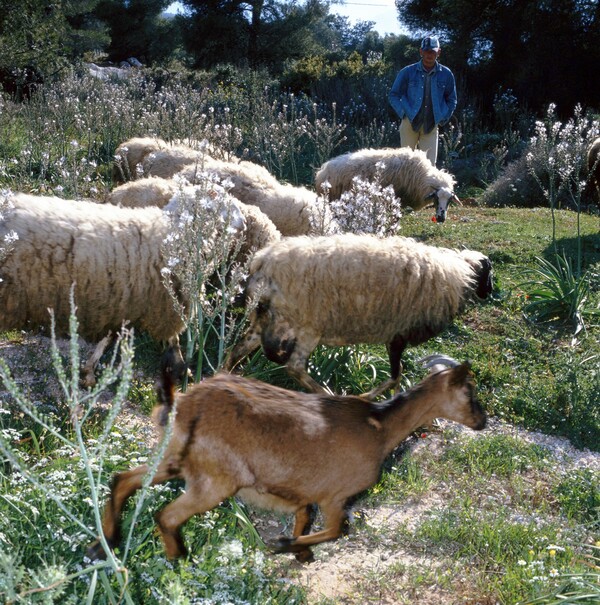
(95, 551)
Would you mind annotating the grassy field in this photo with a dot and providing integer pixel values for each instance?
(500, 518)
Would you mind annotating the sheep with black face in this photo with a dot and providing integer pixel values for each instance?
(350, 289)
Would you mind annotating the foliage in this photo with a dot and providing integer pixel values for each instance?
(47, 481)
(202, 273)
(489, 45)
(8, 240)
(368, 207)
(556, 292)
(582, 588)
(579, 496)
(39, 39)
(553, 166)
(260, 33)
(137, 30)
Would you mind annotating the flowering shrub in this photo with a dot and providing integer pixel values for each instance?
(367, 207)
(9, 238)
(201, 272)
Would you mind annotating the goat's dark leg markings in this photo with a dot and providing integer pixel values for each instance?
(305, 517)
(334, 514)
(200, 496)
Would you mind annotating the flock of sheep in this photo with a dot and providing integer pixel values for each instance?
(314, 286)
(112, 252)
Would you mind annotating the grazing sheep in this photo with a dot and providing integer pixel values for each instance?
(283, 450)
(593, 162)
(293, 210)
(259, 230)
(112, 255)
(415, 180)
(132, 153)
(156, 157)
(349, 289)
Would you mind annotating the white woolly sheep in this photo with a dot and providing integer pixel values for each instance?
(282, 450)
(293, 210)
(112, 255)
(156, 157)
(132, 153)
(350, 289)
(415, 180)
(259, 230)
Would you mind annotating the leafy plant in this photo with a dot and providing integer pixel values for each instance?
(556, 292)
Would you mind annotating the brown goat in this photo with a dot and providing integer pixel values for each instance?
(284, 450)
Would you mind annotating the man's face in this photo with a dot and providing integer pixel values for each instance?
(429, 57)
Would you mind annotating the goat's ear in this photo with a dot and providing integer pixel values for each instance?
(461, 373)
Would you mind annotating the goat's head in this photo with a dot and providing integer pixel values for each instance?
(454, 381)
(441, 198)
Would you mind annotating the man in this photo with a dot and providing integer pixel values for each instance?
(424, 97)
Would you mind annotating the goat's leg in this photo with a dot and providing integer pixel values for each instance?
(173, 361)
(334, 514)
(305, 517)
(198, 498)
(124, 485)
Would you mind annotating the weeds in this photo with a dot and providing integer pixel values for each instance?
(556, 293)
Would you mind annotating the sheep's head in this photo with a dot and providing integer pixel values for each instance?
(441, 198)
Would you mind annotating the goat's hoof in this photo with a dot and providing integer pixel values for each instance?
(302, 553)
(282, 544)
(305, 556)
(95, 552)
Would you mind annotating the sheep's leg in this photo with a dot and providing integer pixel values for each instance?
(334, 514)
(249, 343)
(124, 485)
(395, 349)
(88, 377)
(198, 498)
(296, 365)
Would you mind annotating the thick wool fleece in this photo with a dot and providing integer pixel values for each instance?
(113, 255)
(411, 174)
(346, 289)
(293, 210)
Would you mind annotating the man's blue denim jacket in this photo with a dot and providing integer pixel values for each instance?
(406, 94)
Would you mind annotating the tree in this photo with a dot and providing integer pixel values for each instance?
(543, 51)
(251, 33)
(40, 37)
(138, 30)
